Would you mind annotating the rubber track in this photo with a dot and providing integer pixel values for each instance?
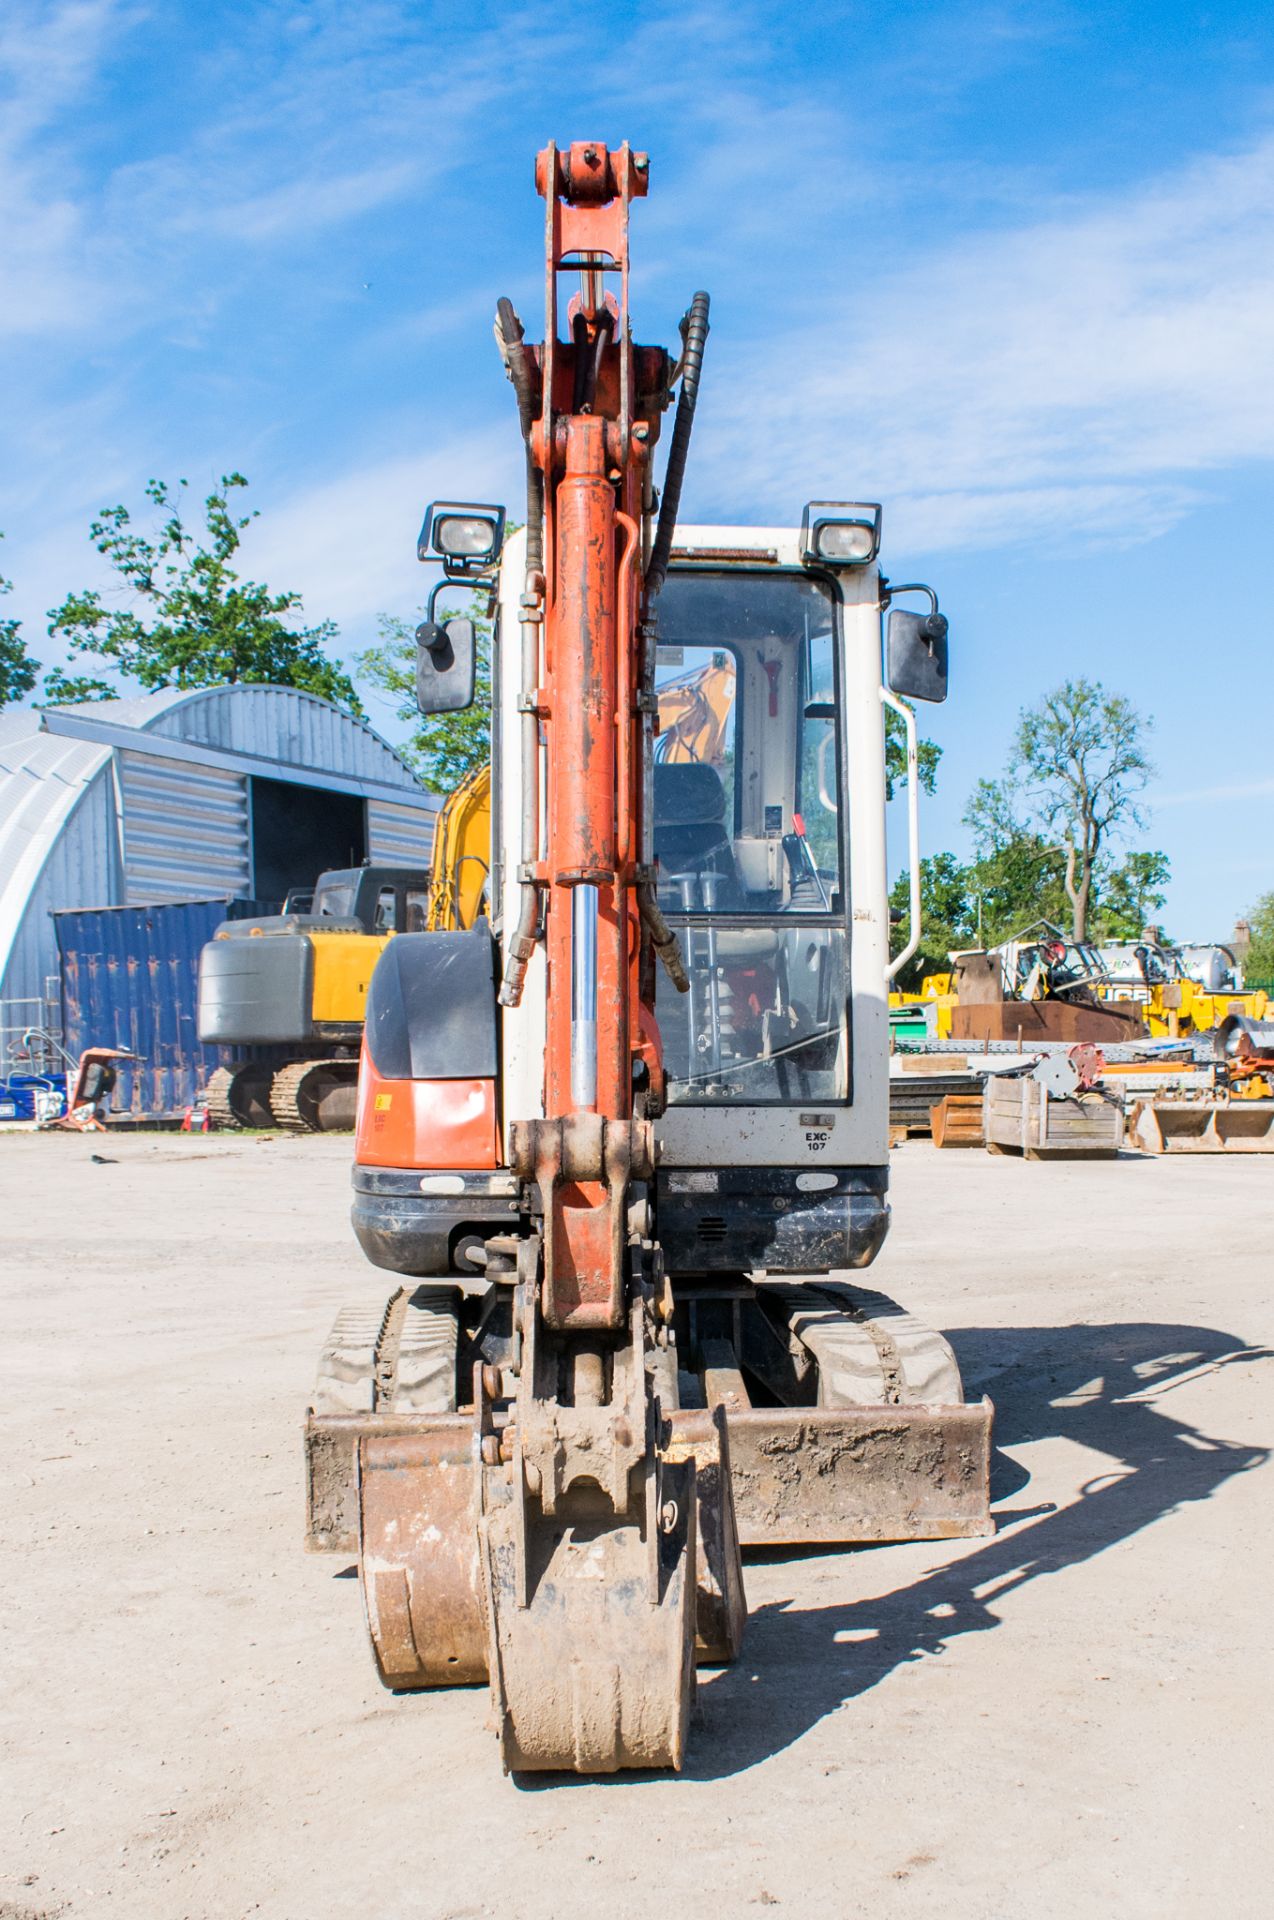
(285, 1091)
(869, 1350)
(217, 1099)
(399, 1358)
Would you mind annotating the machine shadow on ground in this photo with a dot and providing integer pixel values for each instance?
(1106, 1388)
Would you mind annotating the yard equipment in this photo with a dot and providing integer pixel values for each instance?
(1237, 1116)
(627, 1152)
(292, 987)
(89, 1091)
(956, 1121)
(1181, 990)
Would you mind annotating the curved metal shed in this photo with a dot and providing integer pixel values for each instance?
(179, 796)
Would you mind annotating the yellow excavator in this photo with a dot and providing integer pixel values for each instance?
(292, 987)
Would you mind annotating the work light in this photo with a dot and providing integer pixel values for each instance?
(840, 533)
(466, 538)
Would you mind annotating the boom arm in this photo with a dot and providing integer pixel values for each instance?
(590, 1521)
(590, 409)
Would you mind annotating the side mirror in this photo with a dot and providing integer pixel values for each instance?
(446, 654)
(918, 654)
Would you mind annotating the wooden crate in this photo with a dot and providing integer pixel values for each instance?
(956, 1121)
(1018, 1116)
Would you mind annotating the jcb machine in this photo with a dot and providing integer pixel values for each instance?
(293, 986)
(627, 1145)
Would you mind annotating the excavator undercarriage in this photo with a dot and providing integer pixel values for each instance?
(415, 1452)
(847, 1415)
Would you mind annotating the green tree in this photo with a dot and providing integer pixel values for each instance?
(442, 747)
(1129, 895)
(192, 621)
(1258, 962)
(17, 669)
(927, 757)
(1076, 767)
(946, 921)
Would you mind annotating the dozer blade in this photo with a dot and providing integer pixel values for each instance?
(874, 1440)
(824, 1476)
(1189, 1126)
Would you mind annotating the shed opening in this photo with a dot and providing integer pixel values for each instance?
(299, 832)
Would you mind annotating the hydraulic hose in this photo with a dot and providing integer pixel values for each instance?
(694, 333)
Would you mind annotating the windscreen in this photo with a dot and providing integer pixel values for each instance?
(335, 900)
(748, 837)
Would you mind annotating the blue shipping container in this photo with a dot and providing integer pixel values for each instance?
(130, 978)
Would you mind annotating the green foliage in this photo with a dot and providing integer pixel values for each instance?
(73, 690)
(444, 748)
(1013, 882)
(1258, 962)
(1075, 770)
(1131, 894)
(17, 669)
(927, 756)
(1018, 876)
(192, 621)
(945, 917)
(1020, 880)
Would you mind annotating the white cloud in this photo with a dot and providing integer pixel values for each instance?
(351, 541)
(1102, 355)
(54, 280)
(1100, 514)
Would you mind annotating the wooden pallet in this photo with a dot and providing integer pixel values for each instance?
(1018, 1116)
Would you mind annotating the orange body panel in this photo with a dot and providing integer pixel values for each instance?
(430, 1124)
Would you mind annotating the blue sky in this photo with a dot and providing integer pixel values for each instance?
(1007, 268)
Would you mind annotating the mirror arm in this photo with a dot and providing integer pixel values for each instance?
(908, 718)
(888, 593)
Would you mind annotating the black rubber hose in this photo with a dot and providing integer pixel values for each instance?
(694, 332)
(517, 363)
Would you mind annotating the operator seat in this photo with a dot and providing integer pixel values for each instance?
(697, 868)
(690, 834)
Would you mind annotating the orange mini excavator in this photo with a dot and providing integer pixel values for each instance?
(626, 1142)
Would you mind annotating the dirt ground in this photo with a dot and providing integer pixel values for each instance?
(1071, 1718)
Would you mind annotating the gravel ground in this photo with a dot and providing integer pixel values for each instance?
(1071, 1718)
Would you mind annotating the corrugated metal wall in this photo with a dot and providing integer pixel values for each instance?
(78, 861)
(130, 978)
(399, 836)
(185, 829)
